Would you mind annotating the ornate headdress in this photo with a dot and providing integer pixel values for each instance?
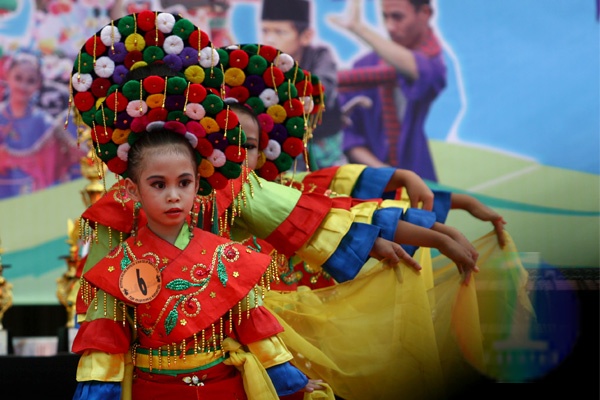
(119, 108)
(287, 100)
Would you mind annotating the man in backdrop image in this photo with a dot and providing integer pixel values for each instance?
(286, 25)
(403, 75)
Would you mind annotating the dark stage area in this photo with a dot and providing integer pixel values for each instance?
(567, 301)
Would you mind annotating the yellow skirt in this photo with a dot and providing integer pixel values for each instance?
(393, 331)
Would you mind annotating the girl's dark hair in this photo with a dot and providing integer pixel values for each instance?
(162, 140)
(156, 68)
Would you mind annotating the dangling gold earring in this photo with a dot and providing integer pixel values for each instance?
(136, 214)
(194, 213)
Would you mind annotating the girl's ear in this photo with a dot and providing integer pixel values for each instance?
(197, 184)
(132, 189)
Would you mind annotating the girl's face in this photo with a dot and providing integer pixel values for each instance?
(251, 129)
(23, 80)
(166, 187)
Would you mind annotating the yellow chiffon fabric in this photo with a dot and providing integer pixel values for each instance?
(394, 332)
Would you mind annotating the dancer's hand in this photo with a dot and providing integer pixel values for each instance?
(384, 249)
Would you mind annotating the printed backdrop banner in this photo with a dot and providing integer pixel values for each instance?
(516, 126)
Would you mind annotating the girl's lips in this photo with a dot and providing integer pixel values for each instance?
(174, 211)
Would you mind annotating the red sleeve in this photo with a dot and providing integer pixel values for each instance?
(301, 224)
(261, 324)
(104, 335)
(321, 178)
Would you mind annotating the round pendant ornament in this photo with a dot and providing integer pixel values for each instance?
(140, 282)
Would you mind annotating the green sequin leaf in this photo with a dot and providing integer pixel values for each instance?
(179, 284)
(171, 320)
(221, 271)
(125, 261)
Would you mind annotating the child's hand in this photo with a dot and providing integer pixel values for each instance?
(416, 189)
(384, 249)
(462, 257)
(482, 212)
(312, 385)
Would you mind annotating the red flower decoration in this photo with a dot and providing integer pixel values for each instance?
(139, 123)
(132, 57)
(100, 87)
(120, 103)
(227, 119)
(268, 52)
(217, 180)
(193, 39)
(204, 147)
(196, 129)
(240, 93)
(235, 154)
(200, 273)
(145, 20)
(304, 88)
(273, 76)
(84, 101)
(195, 93)
(269, 171)
(154, 84)
(238, 59)
(117, 165)
(293, 146)
(94, 46)
(264, 140)
(101, 134)
(157, 114)
(293, 108)
(154, 37)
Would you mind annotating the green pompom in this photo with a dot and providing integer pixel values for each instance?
(89, 116)
(152, 54)
(284, 162)
(84, 63)
(250, 48)
(126, 25)
(204, 189)
(256, 104)
(104, 117)
(108, 151)
(231, 170)
(233, 136)
(183, 28)
(223, 57)
(177, 115)
(214, 77)
(176, 85)
(295, 127)
(133, 137)
(257, 65)
(131, 90)
(287, 91)
(212, 104)
(295, 75)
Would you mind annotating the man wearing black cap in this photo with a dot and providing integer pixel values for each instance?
(285, 24)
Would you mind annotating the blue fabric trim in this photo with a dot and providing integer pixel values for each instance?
(287, 379)
(419, 217)
(387, 219)
(353, 251)
(95, 390)
(372, 182)
(442, 202)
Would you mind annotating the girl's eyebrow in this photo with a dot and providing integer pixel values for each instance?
(184, 175)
